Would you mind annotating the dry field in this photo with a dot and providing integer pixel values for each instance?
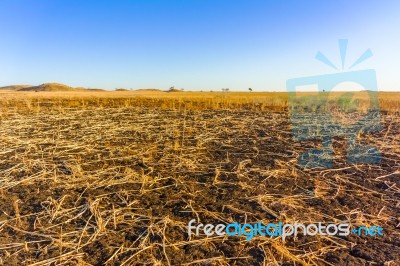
(113, 178)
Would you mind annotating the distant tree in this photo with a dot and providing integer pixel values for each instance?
(173, 89)
(250, 89)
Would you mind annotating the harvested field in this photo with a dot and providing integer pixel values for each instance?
(114, 178)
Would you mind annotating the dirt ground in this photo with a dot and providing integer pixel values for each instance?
(118, 186)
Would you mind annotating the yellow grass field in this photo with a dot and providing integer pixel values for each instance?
(273, 101)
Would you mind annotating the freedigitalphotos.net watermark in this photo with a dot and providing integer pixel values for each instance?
(251, 230)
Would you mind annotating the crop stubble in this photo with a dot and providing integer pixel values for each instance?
(110, 181)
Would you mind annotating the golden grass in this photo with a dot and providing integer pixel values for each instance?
(261, 101)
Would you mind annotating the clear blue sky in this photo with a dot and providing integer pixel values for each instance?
(192, 44)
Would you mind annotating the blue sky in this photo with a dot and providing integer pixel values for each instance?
(196, 45)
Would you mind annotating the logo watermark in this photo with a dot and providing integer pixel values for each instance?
(343, 104)
(249, 231)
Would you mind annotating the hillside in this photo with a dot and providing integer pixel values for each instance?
(55, 87)
(62, 87)
(49, 87)
(14, 87)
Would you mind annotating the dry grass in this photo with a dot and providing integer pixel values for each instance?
(114, 177)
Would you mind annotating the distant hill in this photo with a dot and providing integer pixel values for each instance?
(62, 87)
(148, 90)
(51, 87)
(14, 87)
